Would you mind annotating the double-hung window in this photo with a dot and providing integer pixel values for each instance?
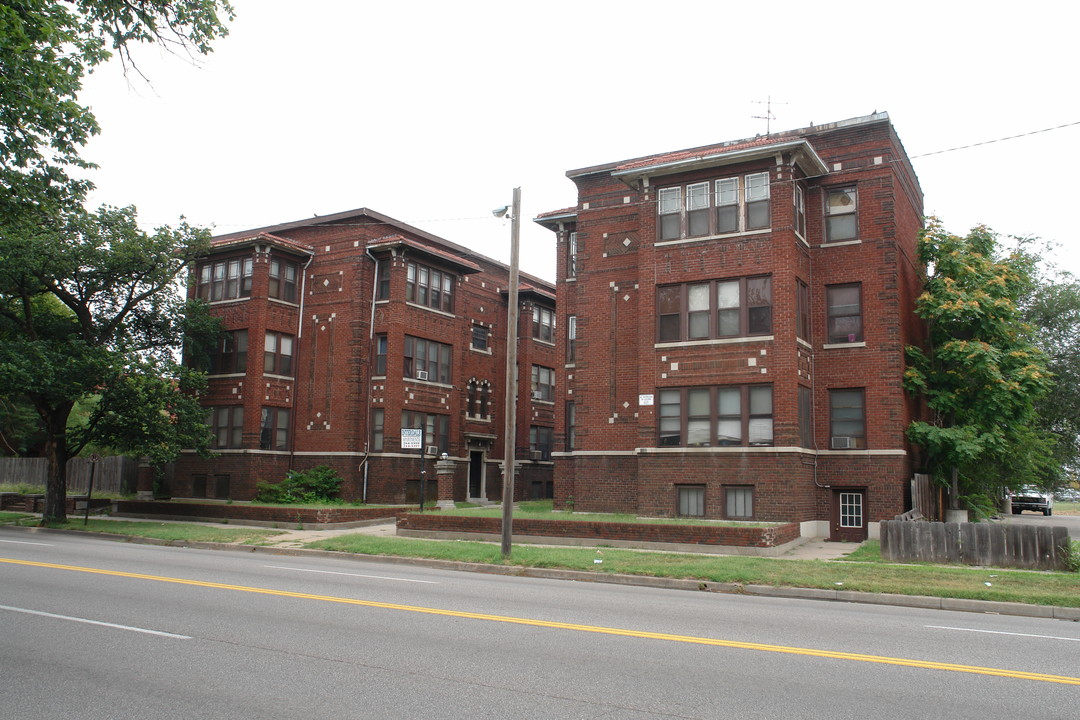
(436, 428)
(727, 206)
(378, 429)
(540, 439)
(690, 500)
(847, 419)
(224, 280)
(231, 356)
(714, 309)
(716, 416)
(381, 348)
(543, 325)
(274, 429)
(844, 304)
(669, 206)
(802, 310)
(228, 426)
(429, 287)
(571, 426)
(841, 216)
(697, 209)
(572, 255)
(717, 207)
(278, 354)
(427, 360)
(382, 270)
(800, 210)
(806, 417)
(571, 339)
(543, 383)
(480, 340)
(739, 502)
(283, 280)
(758, 212)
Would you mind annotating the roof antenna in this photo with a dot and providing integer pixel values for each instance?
(768, 117)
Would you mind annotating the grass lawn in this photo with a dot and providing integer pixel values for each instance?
(169, 531)
(10, 517)
(870, 574)
(863, 570)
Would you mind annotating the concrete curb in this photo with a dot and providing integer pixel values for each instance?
(914, 601)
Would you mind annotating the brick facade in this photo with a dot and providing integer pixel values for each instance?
(355, 323)
(699, 282)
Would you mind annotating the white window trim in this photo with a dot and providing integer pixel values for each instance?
(704, 238)
(418, 306)
(714, 341)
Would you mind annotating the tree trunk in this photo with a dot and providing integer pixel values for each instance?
(56, 452)
(954, 489)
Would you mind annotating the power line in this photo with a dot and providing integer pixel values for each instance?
(834, 173)
(996, 140)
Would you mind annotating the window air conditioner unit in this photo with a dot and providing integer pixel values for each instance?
(421, 374)
(536, 455)
(843, 443)
(432, 449)
(536, 394)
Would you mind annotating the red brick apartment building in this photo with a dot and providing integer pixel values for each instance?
(368, 325)
(733, 321)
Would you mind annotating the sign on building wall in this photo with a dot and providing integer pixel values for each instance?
(412, 438)
(644, 400)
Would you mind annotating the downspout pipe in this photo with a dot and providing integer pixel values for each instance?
(296, 351)
(367, 403)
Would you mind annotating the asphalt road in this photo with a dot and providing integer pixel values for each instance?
(1072, 522)
(97, 629)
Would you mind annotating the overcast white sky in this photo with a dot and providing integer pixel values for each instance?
(432, 112)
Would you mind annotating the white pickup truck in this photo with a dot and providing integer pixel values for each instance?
(1030, 498)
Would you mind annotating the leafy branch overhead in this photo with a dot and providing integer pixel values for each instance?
(46, 49)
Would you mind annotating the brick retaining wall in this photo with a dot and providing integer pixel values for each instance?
(732, 536)
(15, 502)
(256, 513)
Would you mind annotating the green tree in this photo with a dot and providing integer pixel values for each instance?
(88, 302)
(982, 372)
(94, 308)
(1053, 309)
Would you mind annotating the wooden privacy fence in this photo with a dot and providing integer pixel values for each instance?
(999, 544)
(113, 474)
(926, 496)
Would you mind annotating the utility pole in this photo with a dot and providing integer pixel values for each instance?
(510, 406)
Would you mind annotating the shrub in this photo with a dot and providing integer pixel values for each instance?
(319, 484)
(1074, 556)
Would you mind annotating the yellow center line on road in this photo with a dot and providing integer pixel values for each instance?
(811, 652)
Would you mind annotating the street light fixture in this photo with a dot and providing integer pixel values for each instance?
(510, 429)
